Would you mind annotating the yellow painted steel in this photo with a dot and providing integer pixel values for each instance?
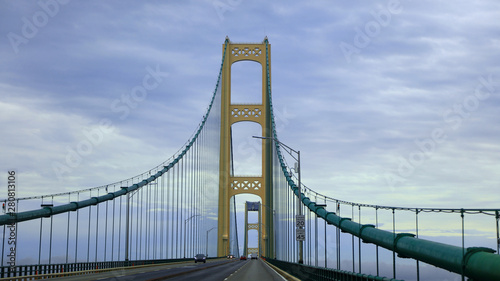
(231, 185)
(250, 226)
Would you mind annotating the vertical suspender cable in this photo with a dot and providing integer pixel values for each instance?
(359, 240)
(326, 242)
(165, 214)
(292, 226)
(171, 187)
(67, 231)
(138, 222)
(187, 206)
(50, 237)
(376, 247)
(191, 205)
(113, 231)
(338, 237)
(97, 228)
(286, 214)
(106, 229)
(131, 223)
(183, 203)
(193, 202)
(149, 215)
(309, 234)
(88, 232)
(173, 214)
(39, 243)
(76, 227)
(394, 238)
(316, 235)
(416, 230)
(173, 229)
(196, 241)
(120, 227)
(352, 238)
(140, 204)
(179, 209)
(3, 244)
(184, 206)
(150, 206)
(155, 253)
(136, 193)
(155, 220)
(168, 237)
(498, 232)
(463, 243)
(147, 220)
(162, 217)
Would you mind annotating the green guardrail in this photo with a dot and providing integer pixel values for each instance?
(315, 273)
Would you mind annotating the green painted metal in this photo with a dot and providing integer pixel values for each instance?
(477, 263)
(315, 273)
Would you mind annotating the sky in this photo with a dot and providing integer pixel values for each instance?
(389, 102)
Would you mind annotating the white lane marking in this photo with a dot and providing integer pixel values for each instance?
(274, 271)
(236, 272)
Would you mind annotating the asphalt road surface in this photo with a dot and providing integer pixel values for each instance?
(213, 270)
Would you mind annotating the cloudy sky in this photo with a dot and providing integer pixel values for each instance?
(389, 102)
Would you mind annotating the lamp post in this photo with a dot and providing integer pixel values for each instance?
(207, 238)
(185, 234)
(127, 223)
(289, 150)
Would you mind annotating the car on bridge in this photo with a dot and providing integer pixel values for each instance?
(243, 258)
(200, 258)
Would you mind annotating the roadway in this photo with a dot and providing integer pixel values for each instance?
(213, 270)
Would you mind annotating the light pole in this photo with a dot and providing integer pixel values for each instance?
(207, 238)
(185, 234)
(297, 170)
(127, 223)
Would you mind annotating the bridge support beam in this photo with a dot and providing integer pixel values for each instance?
(229, 184)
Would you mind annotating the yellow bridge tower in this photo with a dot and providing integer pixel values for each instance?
(229, 184)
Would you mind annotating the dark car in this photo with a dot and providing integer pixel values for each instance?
(200, 258)
(243, 258)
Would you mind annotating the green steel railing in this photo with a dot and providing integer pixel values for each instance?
(315, 273)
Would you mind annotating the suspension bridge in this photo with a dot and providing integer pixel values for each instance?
(159, 220)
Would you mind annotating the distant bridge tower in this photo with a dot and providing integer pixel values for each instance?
(252, 207)
(231, 185)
